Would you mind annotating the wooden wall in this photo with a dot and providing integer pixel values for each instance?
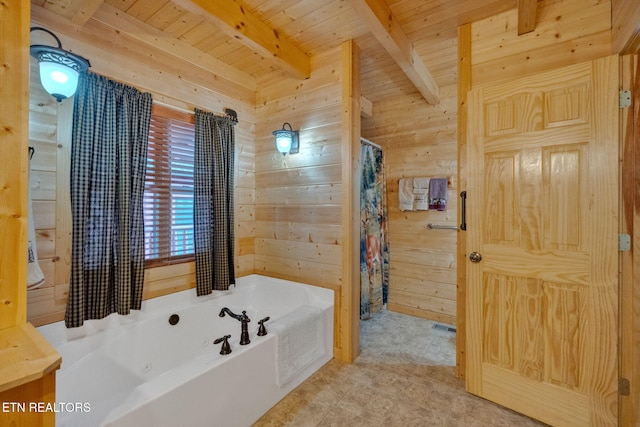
(298, 197)
(567, 32)
(50, 135)
(419, 140)
(288, 210)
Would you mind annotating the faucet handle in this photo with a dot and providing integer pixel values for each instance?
(262, 331)
(226, 348)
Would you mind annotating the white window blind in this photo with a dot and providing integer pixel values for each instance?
(168, 194)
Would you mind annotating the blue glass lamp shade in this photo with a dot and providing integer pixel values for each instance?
(59, 80)
(59, 69)
(286, 140)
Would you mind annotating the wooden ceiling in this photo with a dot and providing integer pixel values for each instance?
(406, 45)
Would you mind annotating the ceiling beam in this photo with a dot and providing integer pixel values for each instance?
(366, 108)
(83, 10)
(527, 10)
(233, 17)
(145, 33)
(389, 33)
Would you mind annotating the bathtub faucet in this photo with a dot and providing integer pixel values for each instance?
(244, 319)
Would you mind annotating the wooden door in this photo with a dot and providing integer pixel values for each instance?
(542, 204)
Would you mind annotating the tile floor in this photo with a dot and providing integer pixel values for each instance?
(404, 376)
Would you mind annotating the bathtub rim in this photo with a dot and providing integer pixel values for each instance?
(57, 334)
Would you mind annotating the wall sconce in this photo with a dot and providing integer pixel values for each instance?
(59, 69)
(287, 140)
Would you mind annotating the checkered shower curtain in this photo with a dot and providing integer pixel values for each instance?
(213, 202)
(108, 161)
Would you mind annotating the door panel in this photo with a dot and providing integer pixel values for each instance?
(542, 211)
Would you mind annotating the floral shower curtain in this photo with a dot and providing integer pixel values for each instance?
(374, 250)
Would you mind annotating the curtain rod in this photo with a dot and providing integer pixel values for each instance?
(366, 141)
(228, 112)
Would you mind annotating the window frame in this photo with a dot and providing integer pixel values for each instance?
(164, 208)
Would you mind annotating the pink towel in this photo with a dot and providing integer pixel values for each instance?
(438, 193)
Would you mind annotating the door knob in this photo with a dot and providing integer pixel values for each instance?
(475, 257)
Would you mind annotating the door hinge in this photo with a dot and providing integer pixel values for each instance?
(624, 388)
(625, 98)
(624, 242)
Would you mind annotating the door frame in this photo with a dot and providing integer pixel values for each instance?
(630, 260)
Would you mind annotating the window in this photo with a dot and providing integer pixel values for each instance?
(168, 193)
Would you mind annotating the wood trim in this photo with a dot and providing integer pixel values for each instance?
(635, 273)
(527, 10)
(172, 113)
(14, 135)
(366, 108)
(625, 34)
(633, 45)
(424, 314)
(630, 261)
(26, 356)
(64, 225)
(350, 306)
(464, 86)
(39, 392)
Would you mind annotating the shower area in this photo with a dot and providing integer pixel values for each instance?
(374, 248)
(414, 308)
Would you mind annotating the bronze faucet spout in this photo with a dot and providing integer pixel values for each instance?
(230, 313)
(244, 319)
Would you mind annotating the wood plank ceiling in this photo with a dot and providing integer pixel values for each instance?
(406, 45)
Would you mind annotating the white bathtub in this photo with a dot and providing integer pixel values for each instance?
(139, 370)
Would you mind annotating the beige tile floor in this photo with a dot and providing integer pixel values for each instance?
(404, 376)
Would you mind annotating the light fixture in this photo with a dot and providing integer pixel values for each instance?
(287, 140)
(59, 69)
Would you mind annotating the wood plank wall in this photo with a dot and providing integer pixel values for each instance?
(567, 32)
(419, 140)
(50, 134)
(289, 226)
(298, 203)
